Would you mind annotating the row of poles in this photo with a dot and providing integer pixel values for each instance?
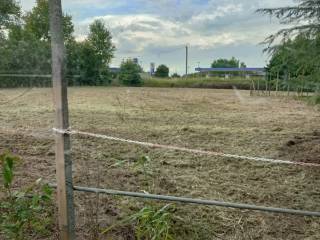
(277, 85)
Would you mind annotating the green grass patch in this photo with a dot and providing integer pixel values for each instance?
(198, 82)
(315, 99)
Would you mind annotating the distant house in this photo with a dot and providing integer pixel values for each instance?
(114, 69)
(227, 72)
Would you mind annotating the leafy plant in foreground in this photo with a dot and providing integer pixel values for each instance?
(149, 223)
(315, 99)
(25, 212)
(142, 164)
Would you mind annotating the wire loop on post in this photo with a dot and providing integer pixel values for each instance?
(62, 131)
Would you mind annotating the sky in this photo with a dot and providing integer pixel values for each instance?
(158, 30)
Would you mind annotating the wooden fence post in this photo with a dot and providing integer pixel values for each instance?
(266, 83)
(62, 147)
(288, 87)
(269, 84)
(277, 84)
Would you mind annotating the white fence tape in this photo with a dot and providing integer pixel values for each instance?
(182, 149)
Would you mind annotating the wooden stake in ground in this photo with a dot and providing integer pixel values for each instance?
(266, 83)
(277, 84)
(269, 83)
(253, 87)
(289, 79)
(62, 149)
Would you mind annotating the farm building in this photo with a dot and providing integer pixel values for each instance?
(227, 72)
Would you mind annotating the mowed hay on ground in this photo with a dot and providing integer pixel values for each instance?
(218, 120)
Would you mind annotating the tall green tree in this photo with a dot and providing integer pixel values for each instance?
(25, 48)
(28, 42)
(95, 55)
(301, 18)
(298, 51)
(130, 73)
(9, 12)
(162, 71)
(37, 22)
(100, 40)
(295, 56)
(227, 63)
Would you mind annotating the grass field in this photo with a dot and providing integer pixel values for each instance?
(218, 120)
(198, 82)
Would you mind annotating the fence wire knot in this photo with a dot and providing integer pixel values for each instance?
(62, 131)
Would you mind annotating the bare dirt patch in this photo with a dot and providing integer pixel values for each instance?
(305, 148)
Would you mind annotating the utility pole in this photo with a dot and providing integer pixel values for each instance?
(62, 146)
(187, 55)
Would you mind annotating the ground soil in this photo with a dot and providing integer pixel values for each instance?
(303, 148)
(217, 120)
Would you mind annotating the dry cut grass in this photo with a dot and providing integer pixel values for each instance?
(218, 120)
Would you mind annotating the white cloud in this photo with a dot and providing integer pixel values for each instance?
(220, 11)
(165, 25)
(145, 31)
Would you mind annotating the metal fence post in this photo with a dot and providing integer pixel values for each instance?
(62, 147)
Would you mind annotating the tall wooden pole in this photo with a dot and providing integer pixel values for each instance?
(62, 148)
(187, 56)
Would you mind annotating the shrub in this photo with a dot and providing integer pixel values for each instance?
(25, 212)
(162, 71)
(316, 99)
(130, 73)
(175, 75)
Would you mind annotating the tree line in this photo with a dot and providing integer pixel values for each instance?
(295, 50)
(25, 47)
(228, 63)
